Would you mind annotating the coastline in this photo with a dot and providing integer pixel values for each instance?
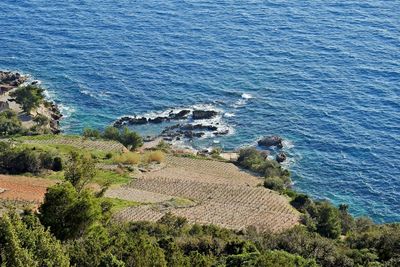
(9, 82)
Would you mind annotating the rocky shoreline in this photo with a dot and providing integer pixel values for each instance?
(9, 81)
(194, 127)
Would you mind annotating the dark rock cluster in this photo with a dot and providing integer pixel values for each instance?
(178, 131)
(274, 141)
(183, 114)
(270, 141)
(10, 80)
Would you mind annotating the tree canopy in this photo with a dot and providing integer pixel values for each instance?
(29, 97)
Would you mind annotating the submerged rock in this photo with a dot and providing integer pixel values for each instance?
(281, 157)
(157, 120)
(269, 141)
(204, 114)
(183, 114)
(129, 120)
(224, 132)
(199, 127)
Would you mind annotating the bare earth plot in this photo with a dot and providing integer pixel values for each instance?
(224, 195)
(23, 188)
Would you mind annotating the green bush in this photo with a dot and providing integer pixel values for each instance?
(111, 133)
(18, 160)
(274, 183)
(277, 178)
(91, 133)
(15, 161)
(128, 138)
(10, 123)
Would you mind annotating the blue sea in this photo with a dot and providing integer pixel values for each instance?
(325, 75)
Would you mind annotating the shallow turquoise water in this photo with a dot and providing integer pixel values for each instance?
(324, 76)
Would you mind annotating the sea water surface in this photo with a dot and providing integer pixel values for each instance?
(325, 75)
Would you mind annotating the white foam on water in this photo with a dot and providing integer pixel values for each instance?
(287, 144)
(240, 103)
(247, 96)
(86, 92)
(229, 115)
(66, 110)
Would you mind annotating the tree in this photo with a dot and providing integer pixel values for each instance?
(328, 220)
(69, 213)
(282, 258)
(25, 242)
(347, 220)
(29, 97)
(130, 139)
(173, 254)
(9, 123)
(80, 170)
(111, 133)
(144, 253)
(41, 120)
(198, 260)
(274, 183)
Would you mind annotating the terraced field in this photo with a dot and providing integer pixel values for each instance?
(225, 196)
(76, 141)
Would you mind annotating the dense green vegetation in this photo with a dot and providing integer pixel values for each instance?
(81, 221)
(276, 178)
(18, 160)
(129, 139)
(10, 124)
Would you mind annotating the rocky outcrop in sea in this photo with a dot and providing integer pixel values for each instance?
(195, 123)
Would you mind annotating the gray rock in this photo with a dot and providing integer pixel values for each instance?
(281, 157)
(269, 141)
(204, 114)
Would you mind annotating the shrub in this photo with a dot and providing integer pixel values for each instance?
(215, 152)
(91, 133)
(80, 170)
(163, 146)
(157, 156)
(109, 155)
(254, 160)
(67, 212)
(111, 133)
(22, 161)
(301, 202)
(47, 160)
(128, 158)
(274, 183)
